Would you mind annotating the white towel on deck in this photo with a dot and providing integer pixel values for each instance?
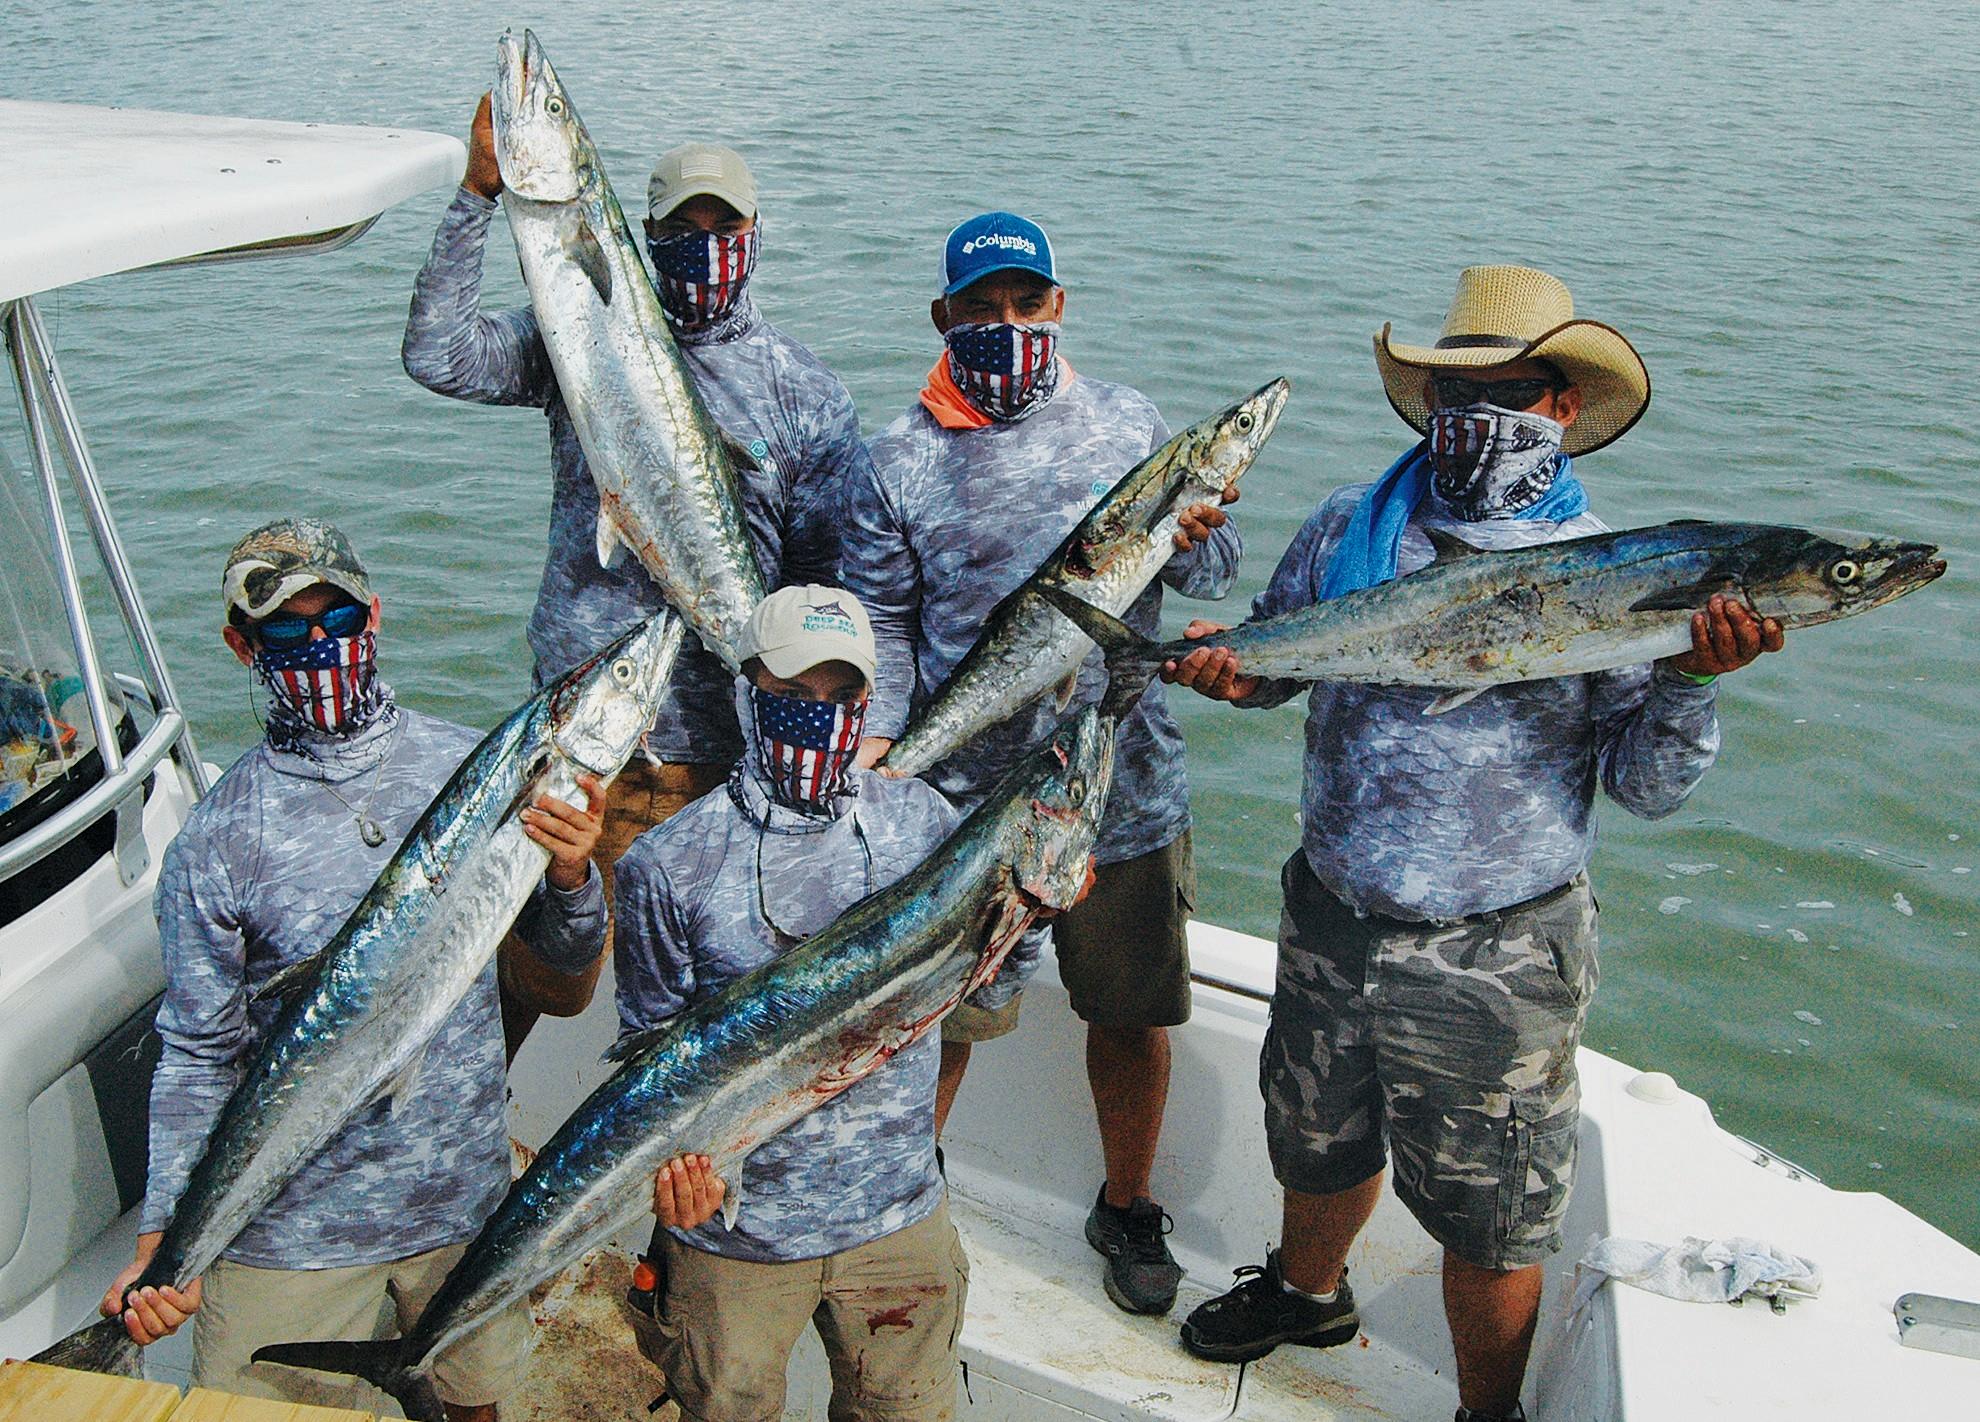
(1698, 1271)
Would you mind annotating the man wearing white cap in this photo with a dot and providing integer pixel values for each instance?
(843, 1218)
(1437, 954)
(767, 392)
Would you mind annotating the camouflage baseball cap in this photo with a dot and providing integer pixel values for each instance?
(280, 559)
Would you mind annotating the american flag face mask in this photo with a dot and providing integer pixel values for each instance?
(1006, 371)
(806, 748)
(702, 274)
(327, 684)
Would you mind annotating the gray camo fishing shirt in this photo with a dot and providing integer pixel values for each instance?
(947, 523)
(689, 910)
(1435, 818)
(774, 397)
(264, 872)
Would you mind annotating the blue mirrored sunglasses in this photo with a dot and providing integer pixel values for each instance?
(284, 633)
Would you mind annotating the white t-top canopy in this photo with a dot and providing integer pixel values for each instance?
(88, 191)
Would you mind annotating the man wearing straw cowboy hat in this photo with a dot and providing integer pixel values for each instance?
(1437, 950)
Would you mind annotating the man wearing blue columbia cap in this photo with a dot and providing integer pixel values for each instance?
(969, 492)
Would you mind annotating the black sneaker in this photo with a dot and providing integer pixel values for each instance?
(1258, 1315)
(1141, 1273)
(1518, 1414)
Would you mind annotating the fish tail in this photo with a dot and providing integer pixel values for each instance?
(380, 1362)
(1132, 659)
(103, 1347)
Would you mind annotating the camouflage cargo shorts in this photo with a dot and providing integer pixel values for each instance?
(1450, 1046)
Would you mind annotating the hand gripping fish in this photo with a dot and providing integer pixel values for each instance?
(360, 1012)
(730, 1072)
(666, 476)
(1107, 560)
(1472, 619)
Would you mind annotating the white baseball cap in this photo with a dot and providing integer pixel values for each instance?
(797, 628)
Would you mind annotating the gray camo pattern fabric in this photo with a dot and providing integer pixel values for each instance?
(770, 394)
(1454, 1045)
(1440, 817)
(264, 872)
(947, 523)
(689, 915)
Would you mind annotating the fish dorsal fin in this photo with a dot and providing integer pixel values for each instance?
(740, 454)
(584, 248)
(1448, 545)
(288, 984)
(1451, 700)
(611, 547)
(732, 1193)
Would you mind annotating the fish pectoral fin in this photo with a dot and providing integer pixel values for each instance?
(631, 1045)
(739, 453)
(288, 984)
(1689, 598)
(611, 547)
(396, 1092)
(1449, 546)
(1062, 694)
(582, 246)
(731, 1194)
(1451, 700)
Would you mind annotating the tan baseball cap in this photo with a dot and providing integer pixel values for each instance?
(698, 169)
(280, 559)
(797, 628)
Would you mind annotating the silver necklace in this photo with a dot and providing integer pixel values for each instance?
(369, 830)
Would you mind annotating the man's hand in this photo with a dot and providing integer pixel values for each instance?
(1210, 671)
(1725, 637)
(872, 751)
(570, 834)
(484, 174)
(154, 1313)
(686, 1193)
(1199, 519)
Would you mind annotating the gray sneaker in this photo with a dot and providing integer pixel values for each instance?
(1258, 1315)
(1142, 1275)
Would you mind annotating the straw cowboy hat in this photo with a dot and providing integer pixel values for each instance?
(1504, 314)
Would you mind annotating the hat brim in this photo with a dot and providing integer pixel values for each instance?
(1614, 383)
(296, 580)
(794, 659)
(702, 188)
(964, 283)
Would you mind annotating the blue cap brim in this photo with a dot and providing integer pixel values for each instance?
(974, 277)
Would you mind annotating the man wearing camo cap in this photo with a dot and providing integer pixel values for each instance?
(761, 387)
(265, 871)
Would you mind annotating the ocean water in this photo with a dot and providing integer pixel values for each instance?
(1774, 202)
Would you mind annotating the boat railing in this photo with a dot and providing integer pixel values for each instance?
(54, 437)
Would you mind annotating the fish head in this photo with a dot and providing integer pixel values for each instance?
(1211, 454)
(600, 709)
(1805, 578)
(540, 143)
(1072, 774)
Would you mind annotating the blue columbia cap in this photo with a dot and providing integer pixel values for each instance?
(994, 242)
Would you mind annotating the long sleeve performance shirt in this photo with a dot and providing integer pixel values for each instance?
(265, 871)
(700, 901)
(1432, 818)
(947, 523)
(770, 394)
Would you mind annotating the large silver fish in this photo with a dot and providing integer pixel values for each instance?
(1124, 541)
(1474, 619)
(666, 476)
(729, 1073)
(361, 1011)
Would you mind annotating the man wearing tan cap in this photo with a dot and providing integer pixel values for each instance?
(767, 392)
(1438, 950)
(843, 1216)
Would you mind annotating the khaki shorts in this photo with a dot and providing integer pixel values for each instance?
(243, 1308)
(1123, 951)
(888, 1312)
(642, 796)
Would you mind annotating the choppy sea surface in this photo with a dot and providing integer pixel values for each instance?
(1774, 202)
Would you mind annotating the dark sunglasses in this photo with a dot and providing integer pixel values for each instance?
(1455, 392)
(284, 634)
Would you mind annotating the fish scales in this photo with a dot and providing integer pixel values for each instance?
(1109, 558)
(668, 491)
(729, 1072)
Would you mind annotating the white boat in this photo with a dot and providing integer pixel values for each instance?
(79, 975)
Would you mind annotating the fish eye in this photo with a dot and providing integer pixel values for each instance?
(554, 106)
(623, 671)
(1844, 571)
(1245, 421)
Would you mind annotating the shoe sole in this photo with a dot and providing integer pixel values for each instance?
(1114, 1292)
(1332, 1337)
